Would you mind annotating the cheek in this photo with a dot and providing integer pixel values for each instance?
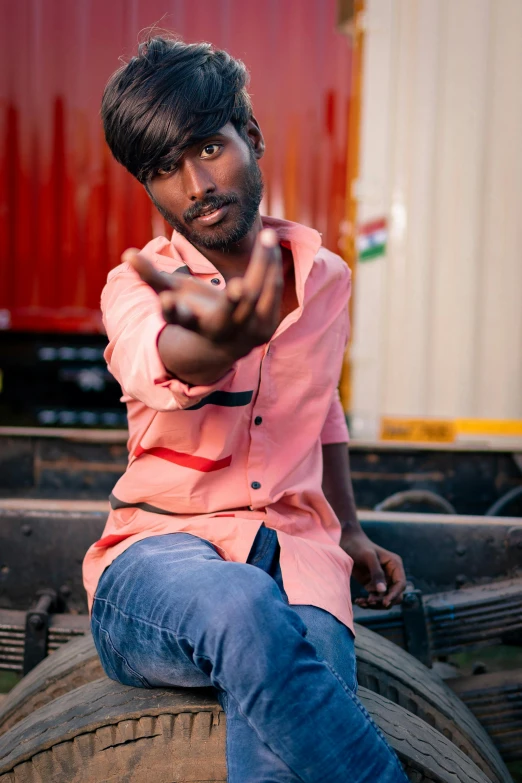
(166, 196)
(232, 169)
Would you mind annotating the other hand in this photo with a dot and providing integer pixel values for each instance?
(379, 571)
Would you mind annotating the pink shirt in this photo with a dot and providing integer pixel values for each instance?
(218, 461)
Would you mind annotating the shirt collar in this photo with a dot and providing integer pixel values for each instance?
(303, 241)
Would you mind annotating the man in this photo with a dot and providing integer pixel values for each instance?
(220, 563)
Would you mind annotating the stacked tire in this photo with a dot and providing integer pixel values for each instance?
(67, 723)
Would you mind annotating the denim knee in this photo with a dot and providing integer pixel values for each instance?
(242, 608)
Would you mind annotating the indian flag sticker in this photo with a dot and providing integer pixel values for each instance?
(371, 239)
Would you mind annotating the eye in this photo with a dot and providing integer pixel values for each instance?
(209, 150)
(167, 169)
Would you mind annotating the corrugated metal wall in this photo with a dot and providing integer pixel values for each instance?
(67, 210)
(438, 319)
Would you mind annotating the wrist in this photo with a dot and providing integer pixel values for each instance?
(351, 531)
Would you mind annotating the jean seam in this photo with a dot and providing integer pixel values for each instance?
(245, 718)
(353, 690)
(163, 629)
(140, 677)
(130, 616)
(368, 717)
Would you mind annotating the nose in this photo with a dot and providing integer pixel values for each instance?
(197, 181)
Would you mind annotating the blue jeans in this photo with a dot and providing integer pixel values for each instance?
(170, 611)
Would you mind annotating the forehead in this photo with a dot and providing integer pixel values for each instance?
(227, 131)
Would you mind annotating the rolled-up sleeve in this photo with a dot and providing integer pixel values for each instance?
(133, 321)
(335, 429)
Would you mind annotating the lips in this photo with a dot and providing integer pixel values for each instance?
(209, 218)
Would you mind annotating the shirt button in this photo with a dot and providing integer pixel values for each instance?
(255, 485)
(215, 281)
(258, 420)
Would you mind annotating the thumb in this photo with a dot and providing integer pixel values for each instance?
(377, 582)
(148, 273)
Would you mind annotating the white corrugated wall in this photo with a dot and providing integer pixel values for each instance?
(438, 319)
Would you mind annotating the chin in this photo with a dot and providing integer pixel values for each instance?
(219, 236)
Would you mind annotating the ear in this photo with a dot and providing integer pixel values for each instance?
(255, 137)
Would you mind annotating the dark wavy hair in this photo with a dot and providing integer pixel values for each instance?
(169, 96)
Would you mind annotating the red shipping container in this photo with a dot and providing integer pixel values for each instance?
(67, 210)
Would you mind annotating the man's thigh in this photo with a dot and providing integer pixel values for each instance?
(333, 642)
(142, 595)
(135, 610)
(170, 611)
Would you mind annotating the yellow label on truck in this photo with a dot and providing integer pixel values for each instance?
(447, 430)
(419, 430)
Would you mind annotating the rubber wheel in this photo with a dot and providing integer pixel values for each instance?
(105, 731)
(390, 671)
(73, 665)
(382, 667)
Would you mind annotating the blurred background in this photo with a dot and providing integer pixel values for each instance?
(392, 126)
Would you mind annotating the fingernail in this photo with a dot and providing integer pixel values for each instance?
(268, 237)
(381, 587)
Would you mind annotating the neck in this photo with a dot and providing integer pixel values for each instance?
(233, 261)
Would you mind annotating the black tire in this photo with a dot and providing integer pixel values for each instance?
(107, 731)
(426, 754)
(390, 671)
(73, 665)
(419, 499)
(382, 667)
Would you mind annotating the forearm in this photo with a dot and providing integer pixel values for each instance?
(337, 486)
(380, 572)
(192, 358)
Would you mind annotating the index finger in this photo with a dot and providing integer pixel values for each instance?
(148, 273)
(263, 257)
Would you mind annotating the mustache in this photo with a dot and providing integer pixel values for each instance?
(210, 204)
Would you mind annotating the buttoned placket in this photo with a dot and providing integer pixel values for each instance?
(259, 492)
(256, 456)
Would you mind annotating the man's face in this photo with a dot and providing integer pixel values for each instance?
(212, 197)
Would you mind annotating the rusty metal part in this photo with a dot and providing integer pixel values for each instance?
(440, 552)
(476, 616)
(61, 628)
(51, 557)
(37, 629)
(496, 701)
(416, 632)
(54, 462)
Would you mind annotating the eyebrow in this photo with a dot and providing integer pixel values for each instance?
(196, 141)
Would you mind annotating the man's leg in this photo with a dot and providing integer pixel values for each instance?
(170, 611)
(246, 752)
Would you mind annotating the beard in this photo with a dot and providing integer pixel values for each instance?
(237, 222)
